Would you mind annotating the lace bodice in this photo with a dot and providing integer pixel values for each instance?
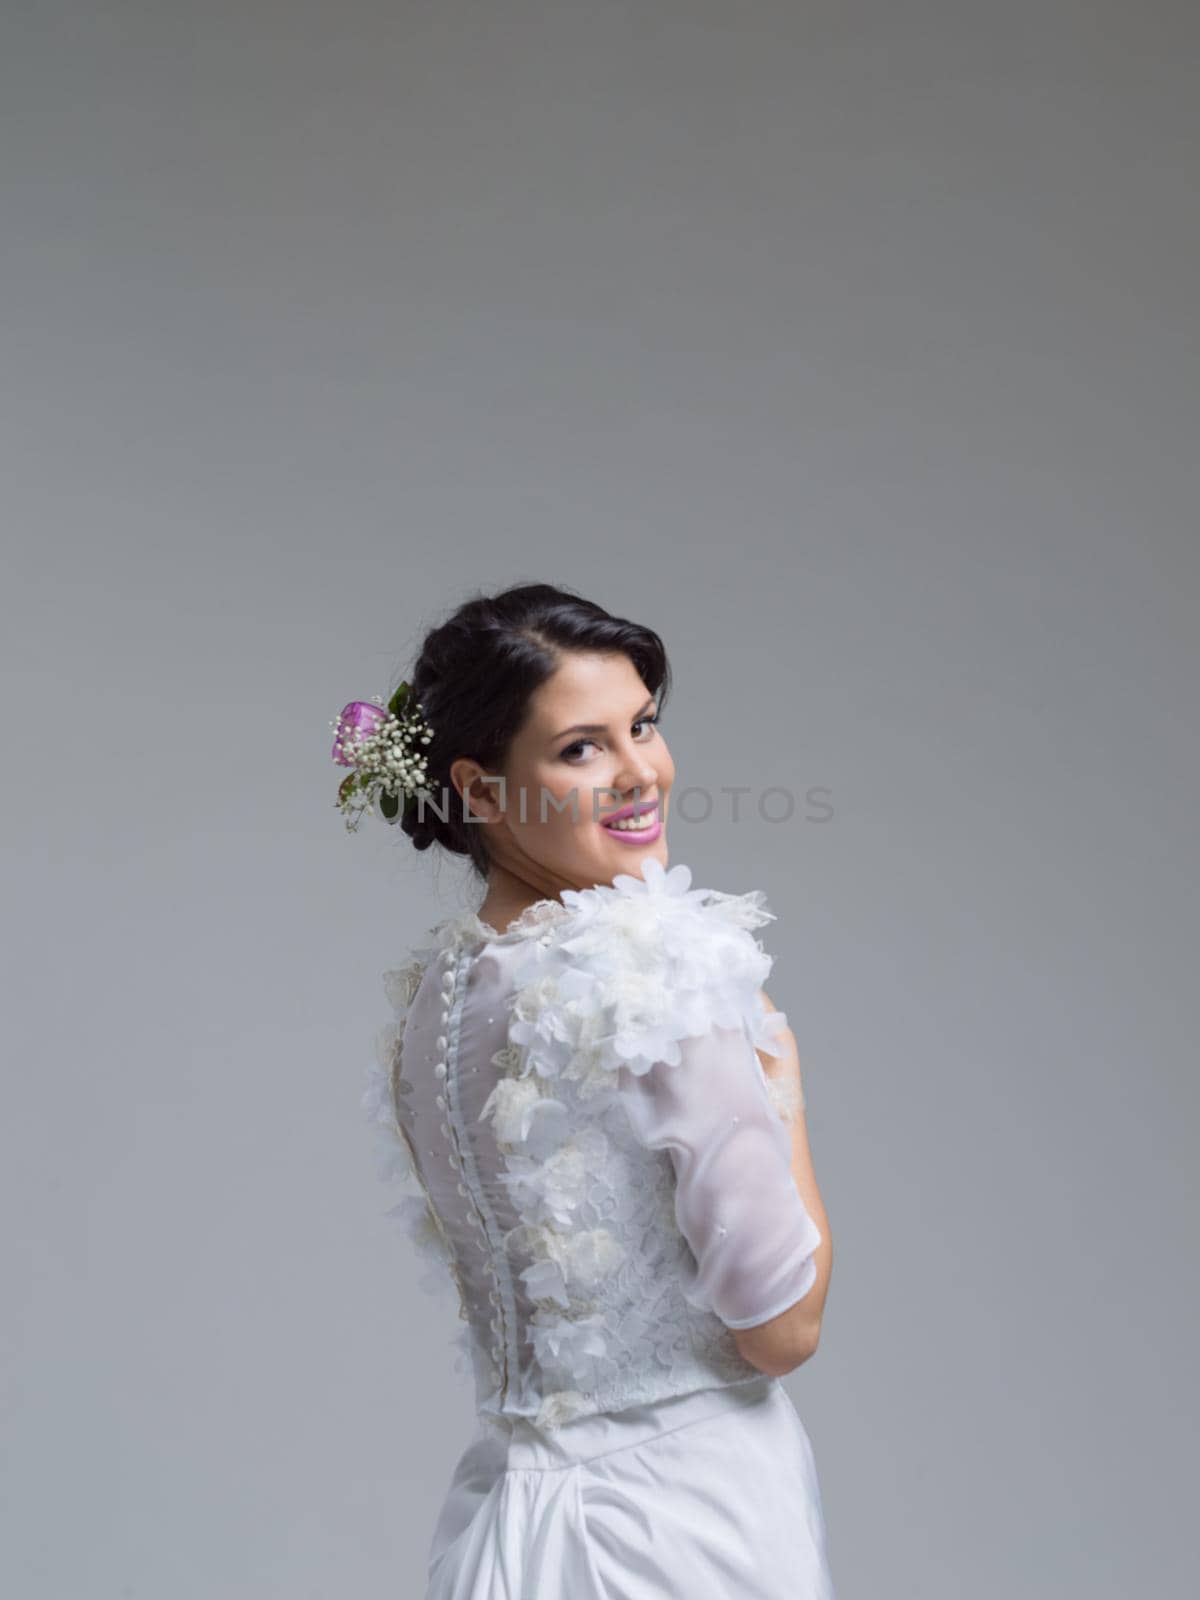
(595, 1162)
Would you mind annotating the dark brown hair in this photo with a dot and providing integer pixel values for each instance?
(475, 674)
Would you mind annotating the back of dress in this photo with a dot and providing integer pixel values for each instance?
(595, 1153)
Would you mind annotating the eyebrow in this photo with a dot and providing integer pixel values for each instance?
(602, 727)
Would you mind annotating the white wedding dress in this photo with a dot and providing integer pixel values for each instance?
(599, 1170)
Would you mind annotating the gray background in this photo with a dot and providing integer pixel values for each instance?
(853, 347)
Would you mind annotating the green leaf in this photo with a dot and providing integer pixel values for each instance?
(396, 703)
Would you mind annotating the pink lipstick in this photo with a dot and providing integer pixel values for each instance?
(647, 833)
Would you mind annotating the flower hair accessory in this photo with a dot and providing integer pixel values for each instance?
(382, 744)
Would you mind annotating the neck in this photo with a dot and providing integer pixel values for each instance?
(509, 893)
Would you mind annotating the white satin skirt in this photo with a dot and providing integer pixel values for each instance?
(699, 1497)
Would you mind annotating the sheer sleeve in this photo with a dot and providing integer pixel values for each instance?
(654, 989)
(736, 1202)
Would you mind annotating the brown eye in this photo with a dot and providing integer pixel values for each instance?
(578, 745)
(638, 722)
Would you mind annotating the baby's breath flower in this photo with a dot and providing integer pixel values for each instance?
(384, 746)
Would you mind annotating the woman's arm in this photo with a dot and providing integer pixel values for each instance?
(783, 1343)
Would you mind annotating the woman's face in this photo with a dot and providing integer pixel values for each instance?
(564, 782)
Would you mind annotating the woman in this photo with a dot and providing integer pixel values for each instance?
(600, 1110)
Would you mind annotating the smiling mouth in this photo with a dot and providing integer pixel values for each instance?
(642, 823)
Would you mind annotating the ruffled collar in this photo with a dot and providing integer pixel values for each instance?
(671, 889)
(468, 927)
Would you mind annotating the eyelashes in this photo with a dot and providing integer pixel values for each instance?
(652, 721)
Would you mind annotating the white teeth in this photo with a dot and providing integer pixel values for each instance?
(635, 824)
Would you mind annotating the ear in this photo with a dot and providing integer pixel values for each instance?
(476, 789)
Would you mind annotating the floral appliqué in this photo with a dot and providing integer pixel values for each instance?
(634, 969)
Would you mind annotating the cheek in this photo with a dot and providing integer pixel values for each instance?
(556, 784)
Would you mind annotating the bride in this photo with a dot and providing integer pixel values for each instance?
(599, 1115)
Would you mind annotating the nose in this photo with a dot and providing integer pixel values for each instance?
(641, 773)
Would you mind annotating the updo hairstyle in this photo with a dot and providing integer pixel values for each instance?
(474, 677)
